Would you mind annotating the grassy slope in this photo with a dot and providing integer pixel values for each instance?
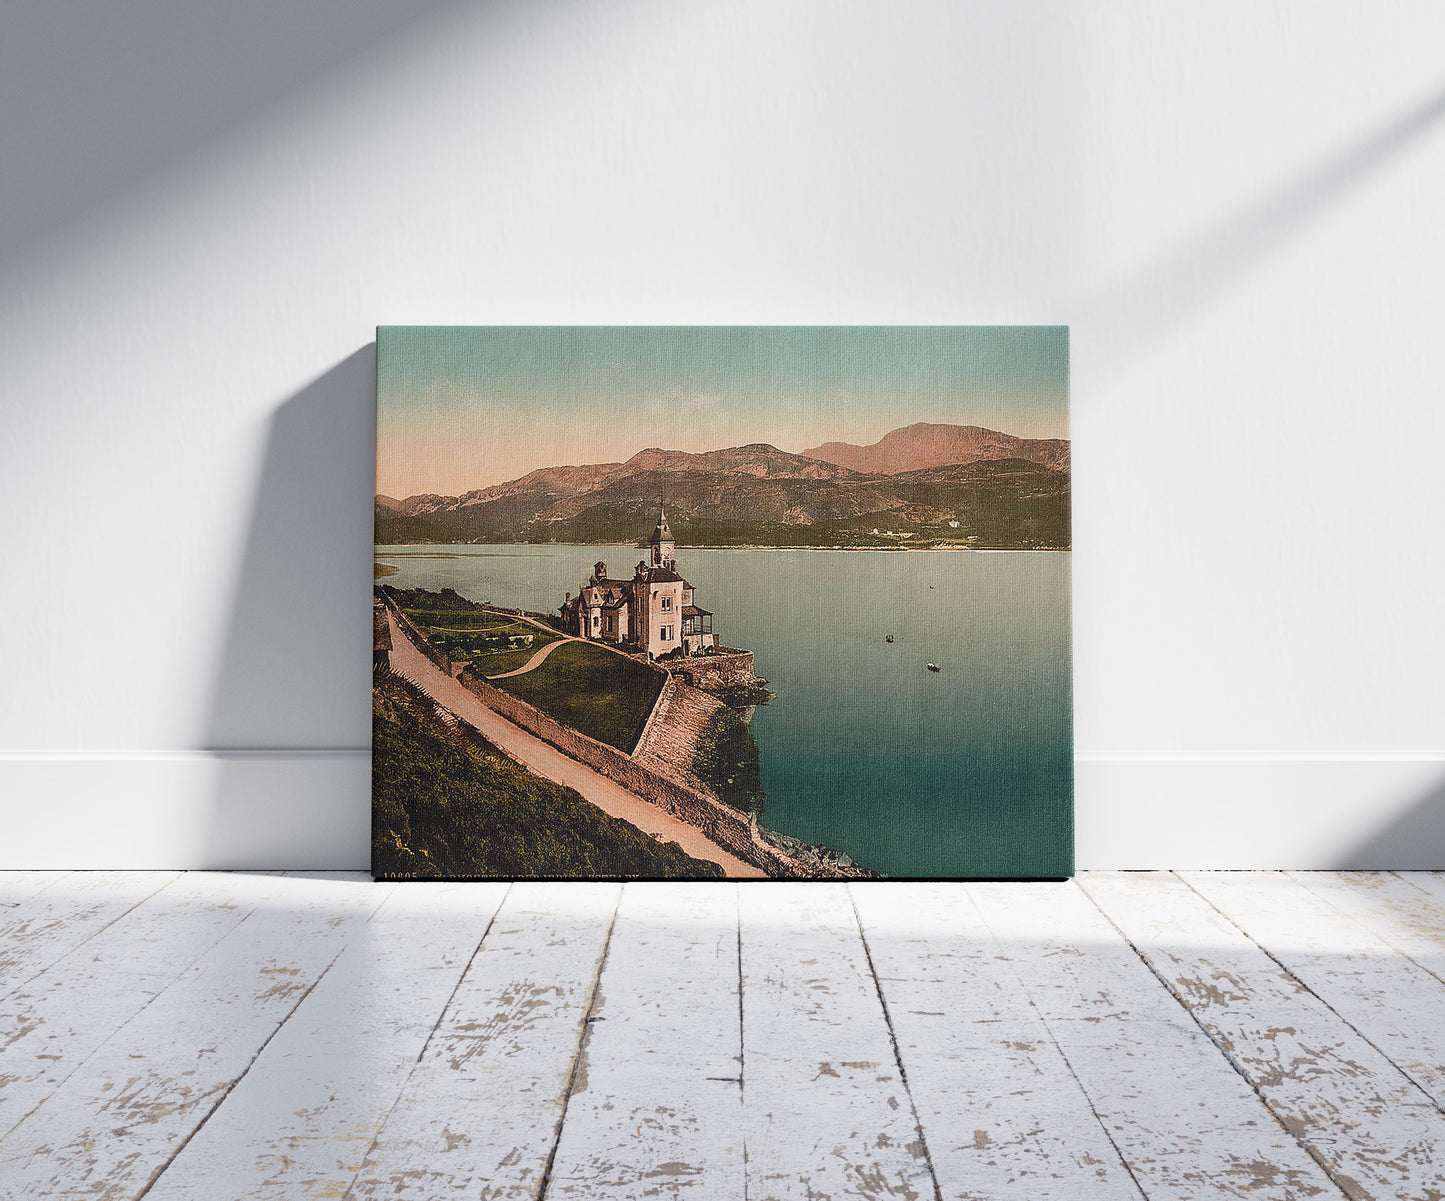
(447, 803)
(602, 694)
(1007, 504)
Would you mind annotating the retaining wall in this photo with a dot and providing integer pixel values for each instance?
(673, 730)
(728, 666)
(729, 829)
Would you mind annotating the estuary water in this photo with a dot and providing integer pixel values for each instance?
(964, 772)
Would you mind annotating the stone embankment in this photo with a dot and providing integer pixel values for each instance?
(669, 741)
(727, 666)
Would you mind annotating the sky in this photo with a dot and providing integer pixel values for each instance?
(462, 407)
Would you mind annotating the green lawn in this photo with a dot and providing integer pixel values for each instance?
(482, 638)
(493, 663)
(601, 694)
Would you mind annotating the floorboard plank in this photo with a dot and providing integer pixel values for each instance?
(16, 887)
(1002, 1115)
(1187, 1125)
(53, 1023)
(656, 1110)
(1402, 908)
(1430, 883)
(300, 1123)
(826, 1110)
(479, 1115)
(192, 1036)
(48, 925)
(115, 1123)
(1375, 1131)
(1392, 1002)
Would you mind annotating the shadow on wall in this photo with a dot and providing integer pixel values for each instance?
(1413, 842)
(1149, 304)
(290, 714)
(116, 97)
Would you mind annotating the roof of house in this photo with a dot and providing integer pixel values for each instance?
(694, 611)
(621, 587)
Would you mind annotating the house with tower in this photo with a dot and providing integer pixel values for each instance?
(653, 611)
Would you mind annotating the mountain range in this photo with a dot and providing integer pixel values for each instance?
(915, 447)
(924, 484)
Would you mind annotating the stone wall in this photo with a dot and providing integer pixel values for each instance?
(728, 666)
(669, 740)
(725, 826)
(417, 637)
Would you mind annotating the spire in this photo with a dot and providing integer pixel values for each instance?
(662, 541)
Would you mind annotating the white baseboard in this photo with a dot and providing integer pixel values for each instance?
(1366, 811)
(186, 809)
(310, 809)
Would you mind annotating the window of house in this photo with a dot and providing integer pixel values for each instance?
(667, 602)
(666, 633)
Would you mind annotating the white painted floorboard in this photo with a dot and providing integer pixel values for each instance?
(51, 1024)
(1308, 1064)
(826, 1110)
(302, 1119)
(1189, 1036)
(1002, 1114)
(1186, 1125)
(656, 1103)
(480, 1114)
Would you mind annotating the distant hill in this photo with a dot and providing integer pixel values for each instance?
(924, 445)
(757, 459)
(760, 495)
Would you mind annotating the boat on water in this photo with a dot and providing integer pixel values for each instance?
(933, 667)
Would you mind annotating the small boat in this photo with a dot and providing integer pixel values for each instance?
(889, 638)
(933, 667)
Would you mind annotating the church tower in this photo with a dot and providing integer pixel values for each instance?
(664, 549)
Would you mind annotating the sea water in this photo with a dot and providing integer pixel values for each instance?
(963, 772)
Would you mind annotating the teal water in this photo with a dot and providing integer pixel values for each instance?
(967, 772)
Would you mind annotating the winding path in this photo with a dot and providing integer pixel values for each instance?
(547, 761)
(535, 661)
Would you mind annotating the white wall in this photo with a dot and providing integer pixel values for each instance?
(206, 207)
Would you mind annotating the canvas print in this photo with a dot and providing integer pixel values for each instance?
(722, 602)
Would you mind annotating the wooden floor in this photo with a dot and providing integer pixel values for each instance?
(1189, 1035)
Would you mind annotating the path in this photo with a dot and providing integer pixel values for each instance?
(547, 761)
(535, 661)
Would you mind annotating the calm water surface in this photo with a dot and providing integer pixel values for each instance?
(963, 772)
